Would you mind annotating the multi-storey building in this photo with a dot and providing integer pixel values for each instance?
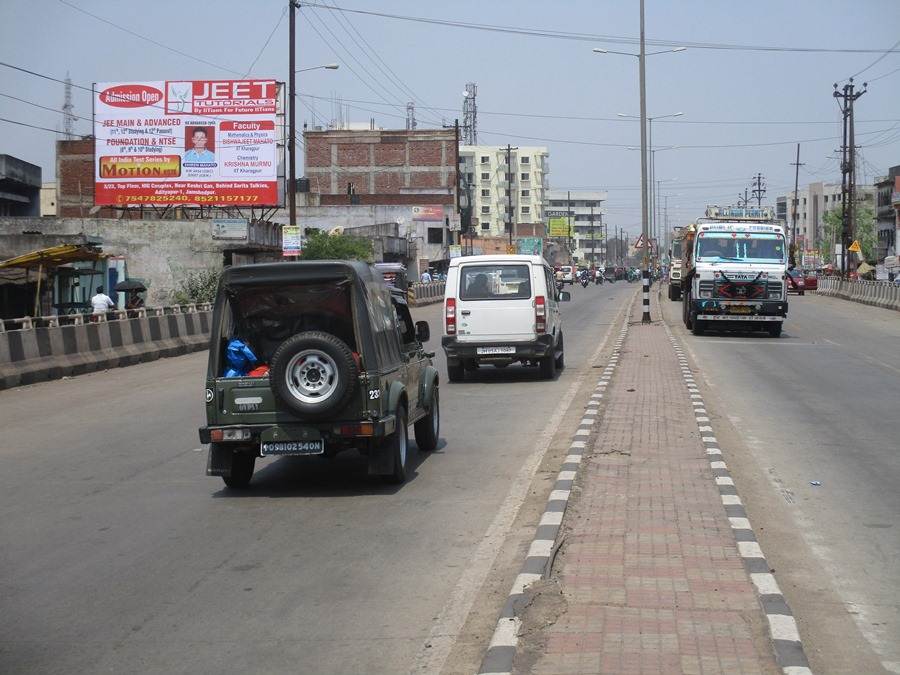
(885, 227)
(495, 186)
(584, 208)
(814, 201)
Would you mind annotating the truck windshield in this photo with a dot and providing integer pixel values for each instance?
(761, 247)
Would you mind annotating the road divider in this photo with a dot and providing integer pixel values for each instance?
(882, 294)
(55, 347)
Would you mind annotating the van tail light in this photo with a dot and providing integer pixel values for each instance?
(450, 316)
(540, 314)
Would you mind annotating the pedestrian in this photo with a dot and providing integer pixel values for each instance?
(426, 277)
(135, 302)
(101, 303)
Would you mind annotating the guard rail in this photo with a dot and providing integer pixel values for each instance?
(883, 294)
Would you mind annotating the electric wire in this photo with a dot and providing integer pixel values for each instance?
(266, 43)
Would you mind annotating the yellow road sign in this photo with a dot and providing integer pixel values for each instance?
(511, 249)
(854, 247)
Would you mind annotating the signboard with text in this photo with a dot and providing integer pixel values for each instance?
(560, 227)
(430, 213)
(230, 228)
(185, 143)
(530, 246)
(291, 240)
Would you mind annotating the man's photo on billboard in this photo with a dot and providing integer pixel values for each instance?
(199, 145)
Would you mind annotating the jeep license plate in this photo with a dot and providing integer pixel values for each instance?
(485, 351)
(314, 447)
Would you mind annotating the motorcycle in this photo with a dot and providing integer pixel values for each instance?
(584, 282)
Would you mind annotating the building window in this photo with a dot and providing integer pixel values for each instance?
(525, 160)
(526, 176)
(508, 177)
(485, 210)
(470, 177)
(526, 193)
(485, 175)
(485, 159)
(486, 193)
(435, 235)
(506, 191)
(526, 209)
(485, 226)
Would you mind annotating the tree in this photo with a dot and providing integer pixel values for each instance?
(324, 246)
(865, 231)
(198, 287)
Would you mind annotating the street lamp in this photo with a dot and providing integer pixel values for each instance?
(641, 57)
(327, 66)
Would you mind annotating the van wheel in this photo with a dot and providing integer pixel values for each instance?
(548, 367)
(429, 427)
(561, 359)
(397, 446)
(455, 373)
(774, 329)
(242, 464)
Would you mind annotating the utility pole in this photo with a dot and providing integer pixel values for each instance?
(759, 189)
(846, 99)
(793, 248)
(292, 125)
(645, 276)
(569, 221)
(458, 211)
(509, 184)
(592, 234)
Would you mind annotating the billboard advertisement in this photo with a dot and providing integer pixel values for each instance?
(530, 246)
(433, 214)
(559, 226)
(186, 143)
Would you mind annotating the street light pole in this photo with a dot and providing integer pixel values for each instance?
(645, 276)
(292, 128)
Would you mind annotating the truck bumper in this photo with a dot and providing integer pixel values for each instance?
(760, 310)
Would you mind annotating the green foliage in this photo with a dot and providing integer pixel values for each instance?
(865, 231)
(324, 246)
(198, 287)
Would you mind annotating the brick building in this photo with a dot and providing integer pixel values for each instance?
(383, 162)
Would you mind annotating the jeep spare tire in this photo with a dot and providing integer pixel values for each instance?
(314, 374)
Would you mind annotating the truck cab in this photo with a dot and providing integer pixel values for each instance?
(734, 271)
(675, 265)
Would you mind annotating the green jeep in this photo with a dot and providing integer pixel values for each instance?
(346, 369)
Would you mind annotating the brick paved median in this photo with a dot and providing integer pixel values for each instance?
(648, 578)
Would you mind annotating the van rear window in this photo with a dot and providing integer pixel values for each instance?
(495, 282)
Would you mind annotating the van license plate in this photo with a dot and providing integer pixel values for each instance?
(315, 447)
(484, 351)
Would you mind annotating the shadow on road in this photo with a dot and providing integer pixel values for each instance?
(345, 475)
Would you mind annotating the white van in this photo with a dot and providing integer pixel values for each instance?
(500, 309)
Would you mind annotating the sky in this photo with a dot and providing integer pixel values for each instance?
(743, 111)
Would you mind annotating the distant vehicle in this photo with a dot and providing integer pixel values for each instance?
(499, 310)
(675, 264)
(568, 274)
(733, 270)
(796, 283)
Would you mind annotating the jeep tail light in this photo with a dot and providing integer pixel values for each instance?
(220, 435)
(540, 314)
(450, 316)
(360, 429)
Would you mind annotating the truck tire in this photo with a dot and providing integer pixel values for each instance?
(698, 326)
(397, 446)
(428, 428)
(314, 374)
(774, 328)
(686, 311)
(242, 464)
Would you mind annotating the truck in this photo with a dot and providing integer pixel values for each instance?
(734, 268)
(675, 264)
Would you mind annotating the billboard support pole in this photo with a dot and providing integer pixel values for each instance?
(292, 123)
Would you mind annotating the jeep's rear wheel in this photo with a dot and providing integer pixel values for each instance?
(548, 366)
(242, 464)
(397, 446)
(428, 428)
(314, 374)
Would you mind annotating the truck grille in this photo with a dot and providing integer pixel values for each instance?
(705, 287)
(774, 287)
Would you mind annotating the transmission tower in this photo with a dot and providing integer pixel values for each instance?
(759, 189)
(68, 115)
(410, 116)
(470, 114)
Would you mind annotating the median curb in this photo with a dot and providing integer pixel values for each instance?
(501, 652)
(783, 631)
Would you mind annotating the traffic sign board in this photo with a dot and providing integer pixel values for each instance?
(640, 242)
(854, 247)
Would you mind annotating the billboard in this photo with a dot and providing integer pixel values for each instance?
(185, 143)
(430, 213)
(559, 226)
(291, 240)
(530, 246)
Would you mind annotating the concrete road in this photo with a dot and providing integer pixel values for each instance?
(119, 555)
(820, 404)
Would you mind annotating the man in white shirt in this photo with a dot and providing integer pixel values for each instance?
(101, 302)
(426, 277)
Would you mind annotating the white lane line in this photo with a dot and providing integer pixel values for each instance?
(709, 439)
(587, 421)
(724, 480)
(739, 524)
(750, 549)
(540, 548)
(523, 581)
(576, 444)
(551, 518)
(506, 634)
(731, 500)
(713, 451)
(704, 429)
(717, 465)
(701, 418)
(557, 495)
(566, 475)
(572, 459)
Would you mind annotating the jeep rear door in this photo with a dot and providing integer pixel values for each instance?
(495, 302)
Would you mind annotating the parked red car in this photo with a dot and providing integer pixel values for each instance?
(796, 283)
(811, 279)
